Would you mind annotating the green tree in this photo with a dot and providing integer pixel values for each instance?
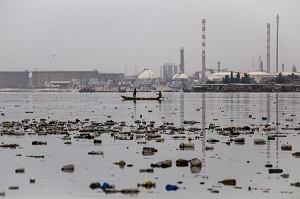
(226, 79)
(246, 79)
(280, 79)
(238, 77)
(210, 82)
(291, 78)
(231, 77)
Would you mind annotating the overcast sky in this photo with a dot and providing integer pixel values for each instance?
(114, 35)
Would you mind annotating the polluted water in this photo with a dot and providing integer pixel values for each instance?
(195, 145)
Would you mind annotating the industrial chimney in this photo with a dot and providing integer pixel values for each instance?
(268, 47)
(294, 69)
(181, 66)
(277, 30)
(203, 50)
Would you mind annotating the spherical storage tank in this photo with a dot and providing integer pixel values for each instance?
(180, 76)
(146, 74)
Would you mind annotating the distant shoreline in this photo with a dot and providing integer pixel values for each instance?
(67, 90)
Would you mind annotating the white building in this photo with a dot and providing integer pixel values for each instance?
(218, 77)
(261, 77)
(257, 76)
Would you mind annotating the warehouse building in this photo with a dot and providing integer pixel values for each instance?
(39, 78)
(14, 79)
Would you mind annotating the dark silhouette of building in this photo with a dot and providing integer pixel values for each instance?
(14, 79)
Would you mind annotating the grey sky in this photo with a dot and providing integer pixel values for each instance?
(108, 35)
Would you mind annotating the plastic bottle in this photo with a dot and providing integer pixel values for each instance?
(170, 187)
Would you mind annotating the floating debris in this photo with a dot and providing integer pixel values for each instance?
(296, 154)
(259, 142)
(209, 148)
(296, 184)
(170, 187)
(121, 163)
(239, 140)
(39, 143)
(182, 163)
(149, 170)
(95, 185)
(13, 188)
(9, 145)
(190, 122)
(162, 164)
(68, 168)
(271, 137)
(229, 182)
(285, 175)
(286, 147)
(212, 140)
(189, 146)
(268, 165)
(275, 171)
(20, 170)
(99, 152)
(97, 141)
(149, 151)
(148, 184)
(195, 162)
(32, 180)
(35, 156)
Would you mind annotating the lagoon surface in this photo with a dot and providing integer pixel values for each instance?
(243, 162)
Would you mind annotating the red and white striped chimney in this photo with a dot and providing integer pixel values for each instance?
(203, 49)
(268, 47)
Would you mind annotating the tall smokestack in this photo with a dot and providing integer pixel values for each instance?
(219, 66)
(282, 67)
(268, 47)
(294, 70)
(181, 66)
(203, 49)
(277, 22)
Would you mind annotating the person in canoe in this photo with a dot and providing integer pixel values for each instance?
(134, 93)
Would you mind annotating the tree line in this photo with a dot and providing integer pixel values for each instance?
(246, 79)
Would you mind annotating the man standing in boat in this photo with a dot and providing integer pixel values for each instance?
(134, 93)
(159, 95)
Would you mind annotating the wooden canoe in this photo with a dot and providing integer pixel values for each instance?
(140, 98)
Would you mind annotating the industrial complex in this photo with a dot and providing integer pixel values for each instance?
(172, 76)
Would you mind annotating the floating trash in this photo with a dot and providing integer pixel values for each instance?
(275, 171)
(229, 182)
(20, 170)
(148, 184)
(170, 187)
(68, 168)
(162, 164)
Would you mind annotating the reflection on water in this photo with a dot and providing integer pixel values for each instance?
(203, 127)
